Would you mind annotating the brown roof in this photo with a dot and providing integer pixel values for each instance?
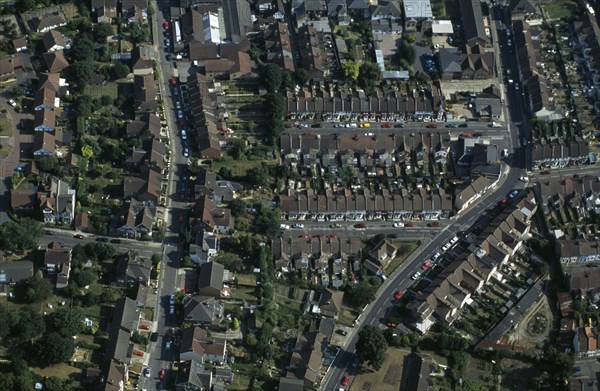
(44, 140)
(202, 51)
(52, 38)
(20, 43)
(55, 61)
(22, 199)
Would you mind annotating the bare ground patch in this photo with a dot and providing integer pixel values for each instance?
(388, 378)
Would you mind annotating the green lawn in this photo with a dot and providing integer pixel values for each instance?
(561, 9)
(246, 279)
(244, 294)
(238, 167)
(110, 89)
(404, 250)
(5, 126)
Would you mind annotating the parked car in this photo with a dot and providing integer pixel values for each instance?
(431, 126)
(463, 125)
(12, 103)
(298, 225)
(386, 125)
(426, 265)
(115, 241)
(168, 345)
(416, 275)
(138, 353)
(78, 236)
(399, 295)
(166, 25)
(144, 327)
(399, 126)
(163, 374)
(104, 240)
(398, 225)
(172, 299)
(360, 226)
(342, 332)
(513, 194)
(147, 372)
(524, 179)
(346, 380)
(186, 152)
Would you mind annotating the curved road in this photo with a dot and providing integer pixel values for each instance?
(400, 280)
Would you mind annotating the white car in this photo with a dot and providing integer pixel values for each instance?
(184, 135)
(398, 225)
(179, 114)
(168, 345)
(513, 194)
(524, 179)
(446, 247)
(147, 372)
(12, 103)
(416, 275)
(505, 152)
(298, 225)
(436, 256)
(186, 152)
(172, 300)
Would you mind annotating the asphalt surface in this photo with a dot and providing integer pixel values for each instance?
(516, 130)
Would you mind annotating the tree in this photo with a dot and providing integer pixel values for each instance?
(21, 235)
(369, 76)
(83, 49)
(351, 70)
(238, 208)
(258, 175)
(84, 277)
(236, 324)
(25, 5)
(138, 34)
(102, 31)
(268, 220)
(100, 251)
(302, 76)
(119, 71)
(66, 321)
(271, 75)
(37, 289)
(53, 348)
(83, 71)
(361, 294)
(371, 346)
(27, 324)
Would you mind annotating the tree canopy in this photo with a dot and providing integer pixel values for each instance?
(37, 289)
(53, 348)
(21, 235)
(369, 76)
(371, 346)
(66, 321)
(271, 75)
(361, 294)
(351, 70)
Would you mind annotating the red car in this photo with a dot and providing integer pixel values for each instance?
(144, 327)
(304, 236)
(166, 25)
(392, 324)
(138, 353)
(409, 224)
(433, 126)
(162, 374)
(346, 380)
(174, 81)
(386, 125)
(398, 295)
(360, 226)
(332, 236)
(426, 265)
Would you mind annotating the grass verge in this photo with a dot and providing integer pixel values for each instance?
(404, 250)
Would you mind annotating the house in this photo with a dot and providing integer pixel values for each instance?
(141, 63)
(475, 64)
(586, 341)
(212, 218)
(466, 195)
(237, 18)
(389, 10)
(44, 120)
(65, 201)
(14, 272)
(148, 125)
(117, 376)
(202, 310)
(525, 10)
(442, 27)
(210, 279)
(380, 256)
(145, 188)
(196, 345)
(205, 248)
(472, 21)
(55, 61)
(139, 294)
(192, 376)
(132, 269)
(48, 22)
(105, 10)
(82, 222)
(330, 303)
(130, 7)
(229, 68)
(126, 316)
(416, 12)
(151, 155)
(45, 98)
(23, 200)
(145, 93)
(20, 44)
(139, 220)
(416, 372)
(209, 146)
(53, 40)
(57, 261)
